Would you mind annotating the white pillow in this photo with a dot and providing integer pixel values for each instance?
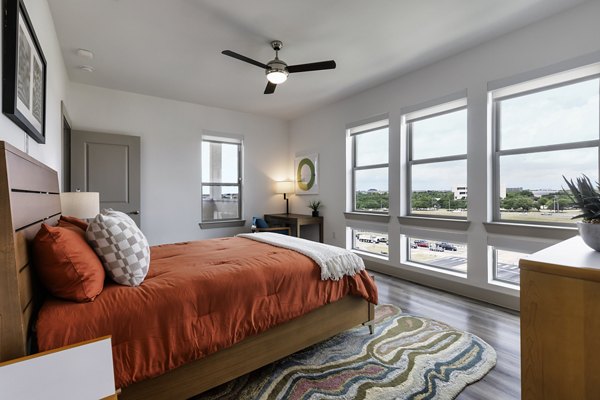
(121, 246)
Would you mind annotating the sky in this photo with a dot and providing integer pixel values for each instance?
(441, 136)
(561, 115)
(372, 148)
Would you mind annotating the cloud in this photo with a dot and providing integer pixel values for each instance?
(439, 176)
(444, 135)
(372, 147)
(561, 115)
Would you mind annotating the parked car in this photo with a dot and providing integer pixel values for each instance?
(447, 246)
(413, 246)
(421, 243)
(436, 247)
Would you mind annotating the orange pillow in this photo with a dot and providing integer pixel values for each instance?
(66, 264)
(67, 225)
(74, 221)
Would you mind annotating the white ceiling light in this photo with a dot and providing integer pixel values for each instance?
(277, 76)
(86, 68)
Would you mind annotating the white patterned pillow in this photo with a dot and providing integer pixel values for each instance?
(121, 246)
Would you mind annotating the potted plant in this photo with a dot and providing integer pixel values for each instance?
(587, 198)
(315, 205)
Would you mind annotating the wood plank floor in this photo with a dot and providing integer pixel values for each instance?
(497, 326)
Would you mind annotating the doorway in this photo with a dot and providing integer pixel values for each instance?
(109, 164)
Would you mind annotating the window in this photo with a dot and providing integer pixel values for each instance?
(370, 242)
(542, 135)
(506, 266)
(370, 167)
(445, 255)
(437, 161)
(221, 179)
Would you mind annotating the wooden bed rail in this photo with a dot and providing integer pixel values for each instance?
(29, 195)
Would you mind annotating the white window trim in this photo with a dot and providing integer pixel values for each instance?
(215, 137)
(406, 243)
(353, 130)
(365, 252)
(493, 263)
(433, 109)
(527, 89)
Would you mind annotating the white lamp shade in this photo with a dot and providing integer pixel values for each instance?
(80, 204)
(284, 187)
(276, 77)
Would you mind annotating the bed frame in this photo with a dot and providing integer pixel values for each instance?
(29, 196)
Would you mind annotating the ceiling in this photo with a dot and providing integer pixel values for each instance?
(172, 48)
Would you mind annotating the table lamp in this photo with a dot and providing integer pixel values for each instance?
(82, 205)
(285, 188)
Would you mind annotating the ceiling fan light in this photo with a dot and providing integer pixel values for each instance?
(277, 77)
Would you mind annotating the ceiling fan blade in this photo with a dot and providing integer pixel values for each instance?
(270, 88)
(244, 58)
(316, 66)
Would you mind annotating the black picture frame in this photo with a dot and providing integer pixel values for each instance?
(23, 72)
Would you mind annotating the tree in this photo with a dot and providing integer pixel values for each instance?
(421, 203)
(517, 202)
(508, 203)
(372, 200)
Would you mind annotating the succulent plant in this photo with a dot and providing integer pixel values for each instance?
(315, 204)
(584, 194)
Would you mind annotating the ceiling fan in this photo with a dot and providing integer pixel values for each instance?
(276, 70)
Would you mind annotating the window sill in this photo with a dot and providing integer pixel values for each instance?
(368, 255)
(358, 216)
(222, 224)
(531, 230)
(504, 284)
(437, 270)
(438, 223)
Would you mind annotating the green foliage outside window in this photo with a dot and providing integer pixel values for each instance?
(372, 201)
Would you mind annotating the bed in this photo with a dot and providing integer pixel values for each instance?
(29, 197)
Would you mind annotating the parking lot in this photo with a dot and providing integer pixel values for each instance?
(434, 255)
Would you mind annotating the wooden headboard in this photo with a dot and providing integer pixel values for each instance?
(29, 195)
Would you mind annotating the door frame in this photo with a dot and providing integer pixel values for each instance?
(65, 163)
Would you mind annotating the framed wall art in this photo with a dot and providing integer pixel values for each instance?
(307, 174)
(23, 72)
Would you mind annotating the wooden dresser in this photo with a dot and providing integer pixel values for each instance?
(560, 322)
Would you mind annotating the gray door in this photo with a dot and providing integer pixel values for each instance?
(108, 164)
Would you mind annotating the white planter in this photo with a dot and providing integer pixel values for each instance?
(590, 233)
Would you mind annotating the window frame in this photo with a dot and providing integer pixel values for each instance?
(355, 230)
(239, 143)
(410, 261)
(354, 167)
(497, 152)
(494, 275)
(432, 160)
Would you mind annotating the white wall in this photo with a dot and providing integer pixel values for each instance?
(56, 90)
(562, 37)
(170, 134)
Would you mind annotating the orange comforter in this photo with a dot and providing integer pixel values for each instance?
(198, 298)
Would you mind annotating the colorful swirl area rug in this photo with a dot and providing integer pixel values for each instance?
(407, 357)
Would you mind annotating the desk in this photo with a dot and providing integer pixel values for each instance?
(295, 221)
(560, 322)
